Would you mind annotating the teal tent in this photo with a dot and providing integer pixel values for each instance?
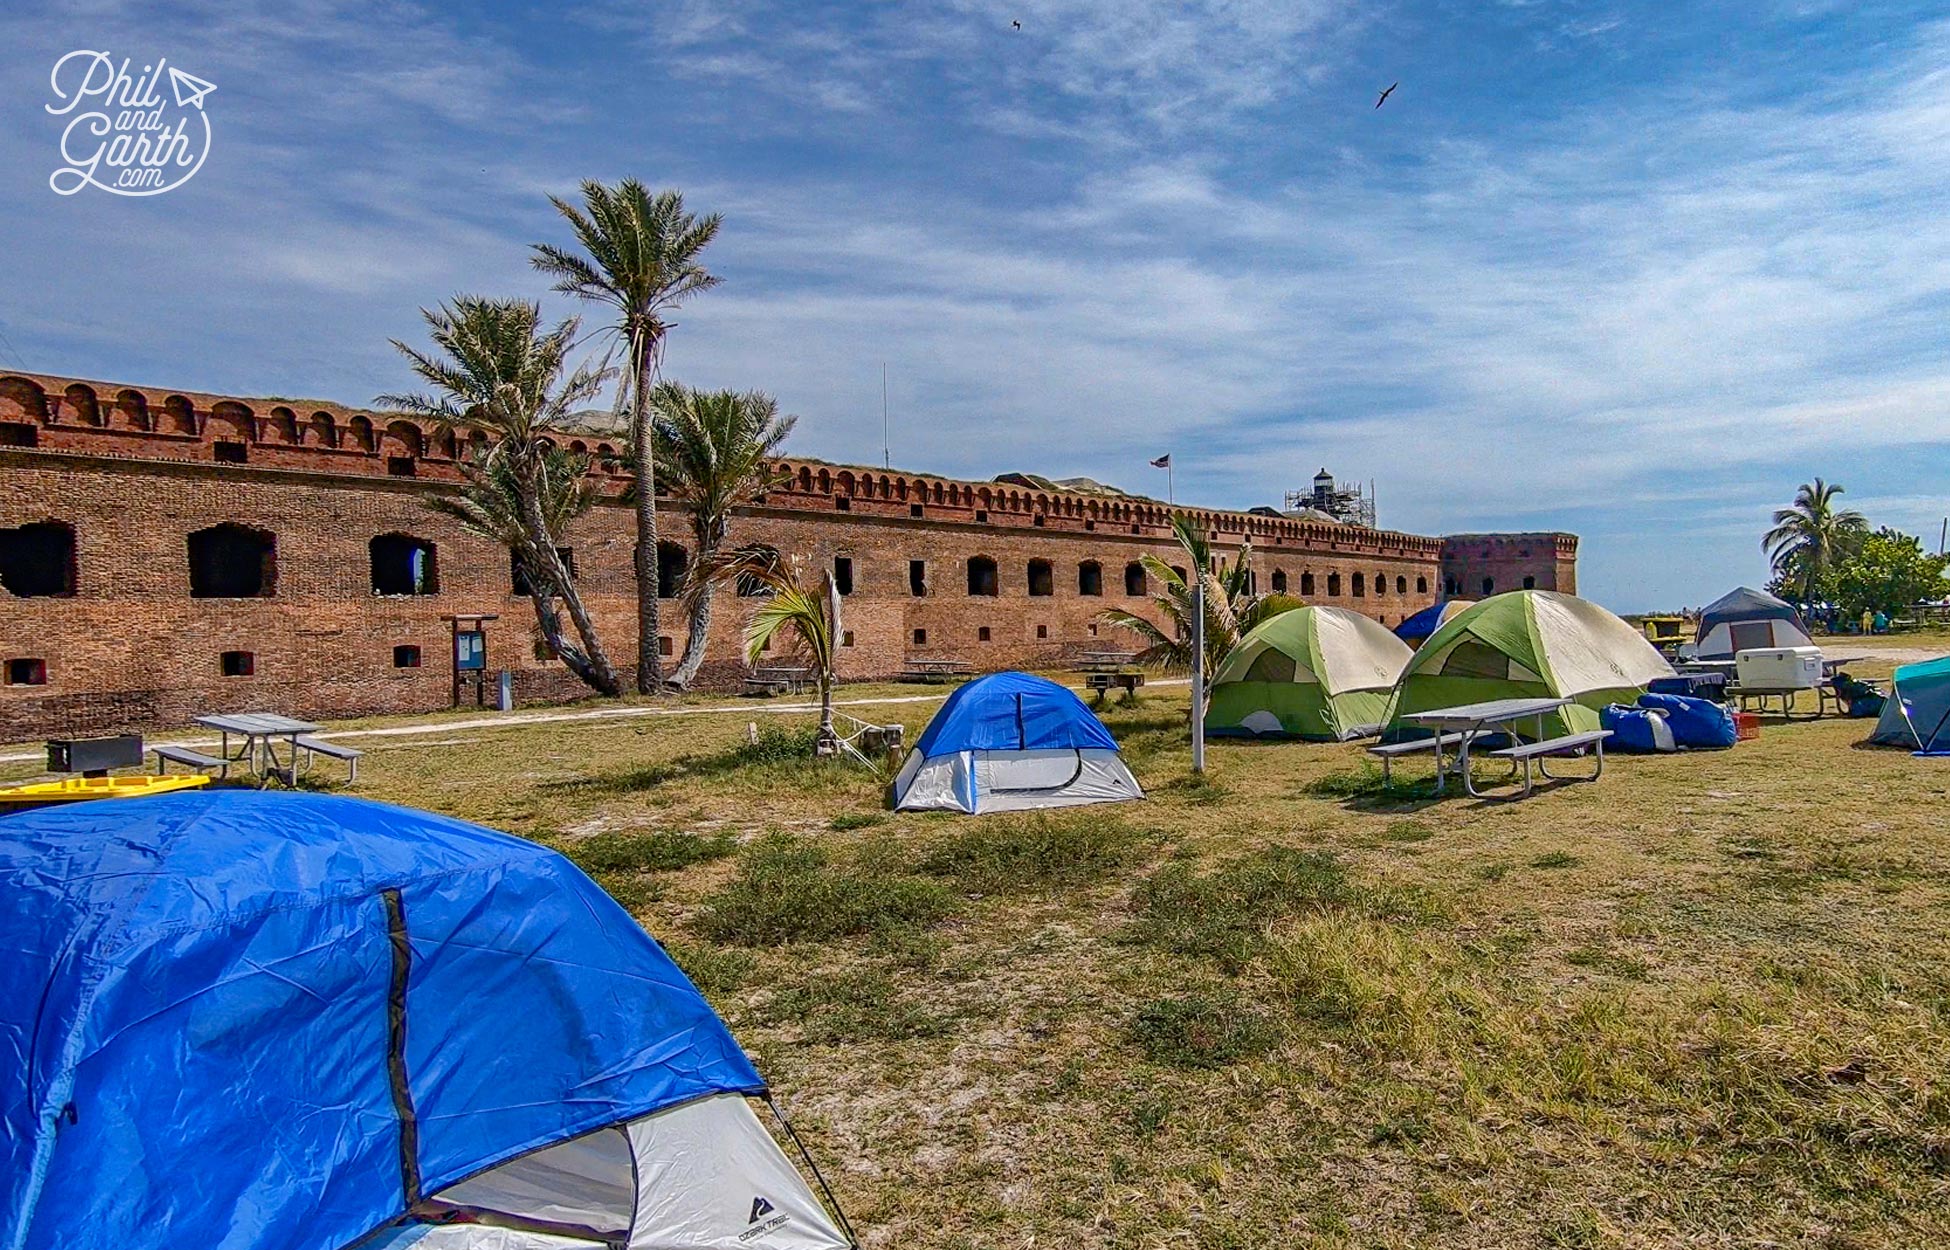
(1917, 713)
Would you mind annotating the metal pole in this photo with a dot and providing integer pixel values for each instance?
(1198, 672)
(1171, 496)
(886, 454)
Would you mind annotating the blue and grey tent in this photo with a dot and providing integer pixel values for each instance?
(1917, 712)
(1745, 619)
(253, 1021)
(1416, 629)
(1010, 742)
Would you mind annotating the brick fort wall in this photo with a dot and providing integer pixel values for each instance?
(134, 477)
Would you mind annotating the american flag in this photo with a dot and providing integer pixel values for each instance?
(1162, 462)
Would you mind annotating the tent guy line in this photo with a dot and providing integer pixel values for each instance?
(545, 718)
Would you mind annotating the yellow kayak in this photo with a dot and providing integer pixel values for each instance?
(74, 789)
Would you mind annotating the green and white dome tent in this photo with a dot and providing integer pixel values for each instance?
(1530, 644)
(1322, 674)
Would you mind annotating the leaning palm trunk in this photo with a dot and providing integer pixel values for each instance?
(695, 639)
(591, 663)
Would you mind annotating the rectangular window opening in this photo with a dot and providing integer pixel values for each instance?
(916, 510)
(19, 434)
(238, 663)
(917, 578)
(400, 466)
(982, 634)
(1042, 631)
(230, 453)
(26, 672)
(920, 637)
(406, 656)
(843, 574)
(842, 503)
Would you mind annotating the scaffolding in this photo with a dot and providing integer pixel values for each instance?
(1349, 505)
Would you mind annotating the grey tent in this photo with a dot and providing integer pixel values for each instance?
(1745, 619)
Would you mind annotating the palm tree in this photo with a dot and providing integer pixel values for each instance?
(497, 369)
(714, 451)
(809, 617)
(1812, 537)
(490, 507)
(1232, 608)
(640, 257)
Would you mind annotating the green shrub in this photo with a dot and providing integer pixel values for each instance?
(856, 820)
(1200, 1031)
(791, 890)
(1030, 854)
(662, 850)
(862, 1004)
(1556, 859)
(715, 970)
(1225, 914)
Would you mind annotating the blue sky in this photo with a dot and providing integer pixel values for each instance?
(1629, 270)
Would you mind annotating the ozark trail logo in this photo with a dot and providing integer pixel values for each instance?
(765, 1218)
(130, 140)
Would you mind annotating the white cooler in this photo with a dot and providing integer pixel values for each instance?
(1779, 668)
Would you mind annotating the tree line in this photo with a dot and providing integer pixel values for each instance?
(1823, 553)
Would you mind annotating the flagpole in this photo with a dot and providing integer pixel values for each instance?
(1171, 496)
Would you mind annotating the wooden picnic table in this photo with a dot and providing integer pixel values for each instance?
(1105, 661)
(1464, 724)
(261, 732)
(770, 679)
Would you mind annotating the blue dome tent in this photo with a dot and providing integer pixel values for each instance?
(254, 1021)
(1013, 742)
(1415, 630)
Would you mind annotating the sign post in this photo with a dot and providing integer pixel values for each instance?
(470, 654)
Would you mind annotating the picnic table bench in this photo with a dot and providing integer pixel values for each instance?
(311, 746)
(166, 755)
(936, 670)
(1463, 725)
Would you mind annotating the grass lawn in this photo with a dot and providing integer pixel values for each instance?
(1704, 1002)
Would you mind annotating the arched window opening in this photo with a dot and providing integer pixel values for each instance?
(1360, 585)
(1042, 578)
(1134, 579)
(981, 576)
(133, 409)
(82, 400)
(1090, 578)
(403, 565)
(284, 423)
(181, 414)
(37, 560)
(232, 561)
(1333, 585)
(1306, 584)
(323, 431)
(1279, 581)
(672, 563)
(1421, 585)
(518, 570)
(1530, 583)
(1401, 585)
(1489, 587)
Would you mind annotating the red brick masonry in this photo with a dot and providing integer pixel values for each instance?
(116, 639)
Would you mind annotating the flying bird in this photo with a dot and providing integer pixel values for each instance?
(1384, 95)
(1017, 25)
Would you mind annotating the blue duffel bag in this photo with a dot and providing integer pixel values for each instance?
(1636, 730)
(1694, 722)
